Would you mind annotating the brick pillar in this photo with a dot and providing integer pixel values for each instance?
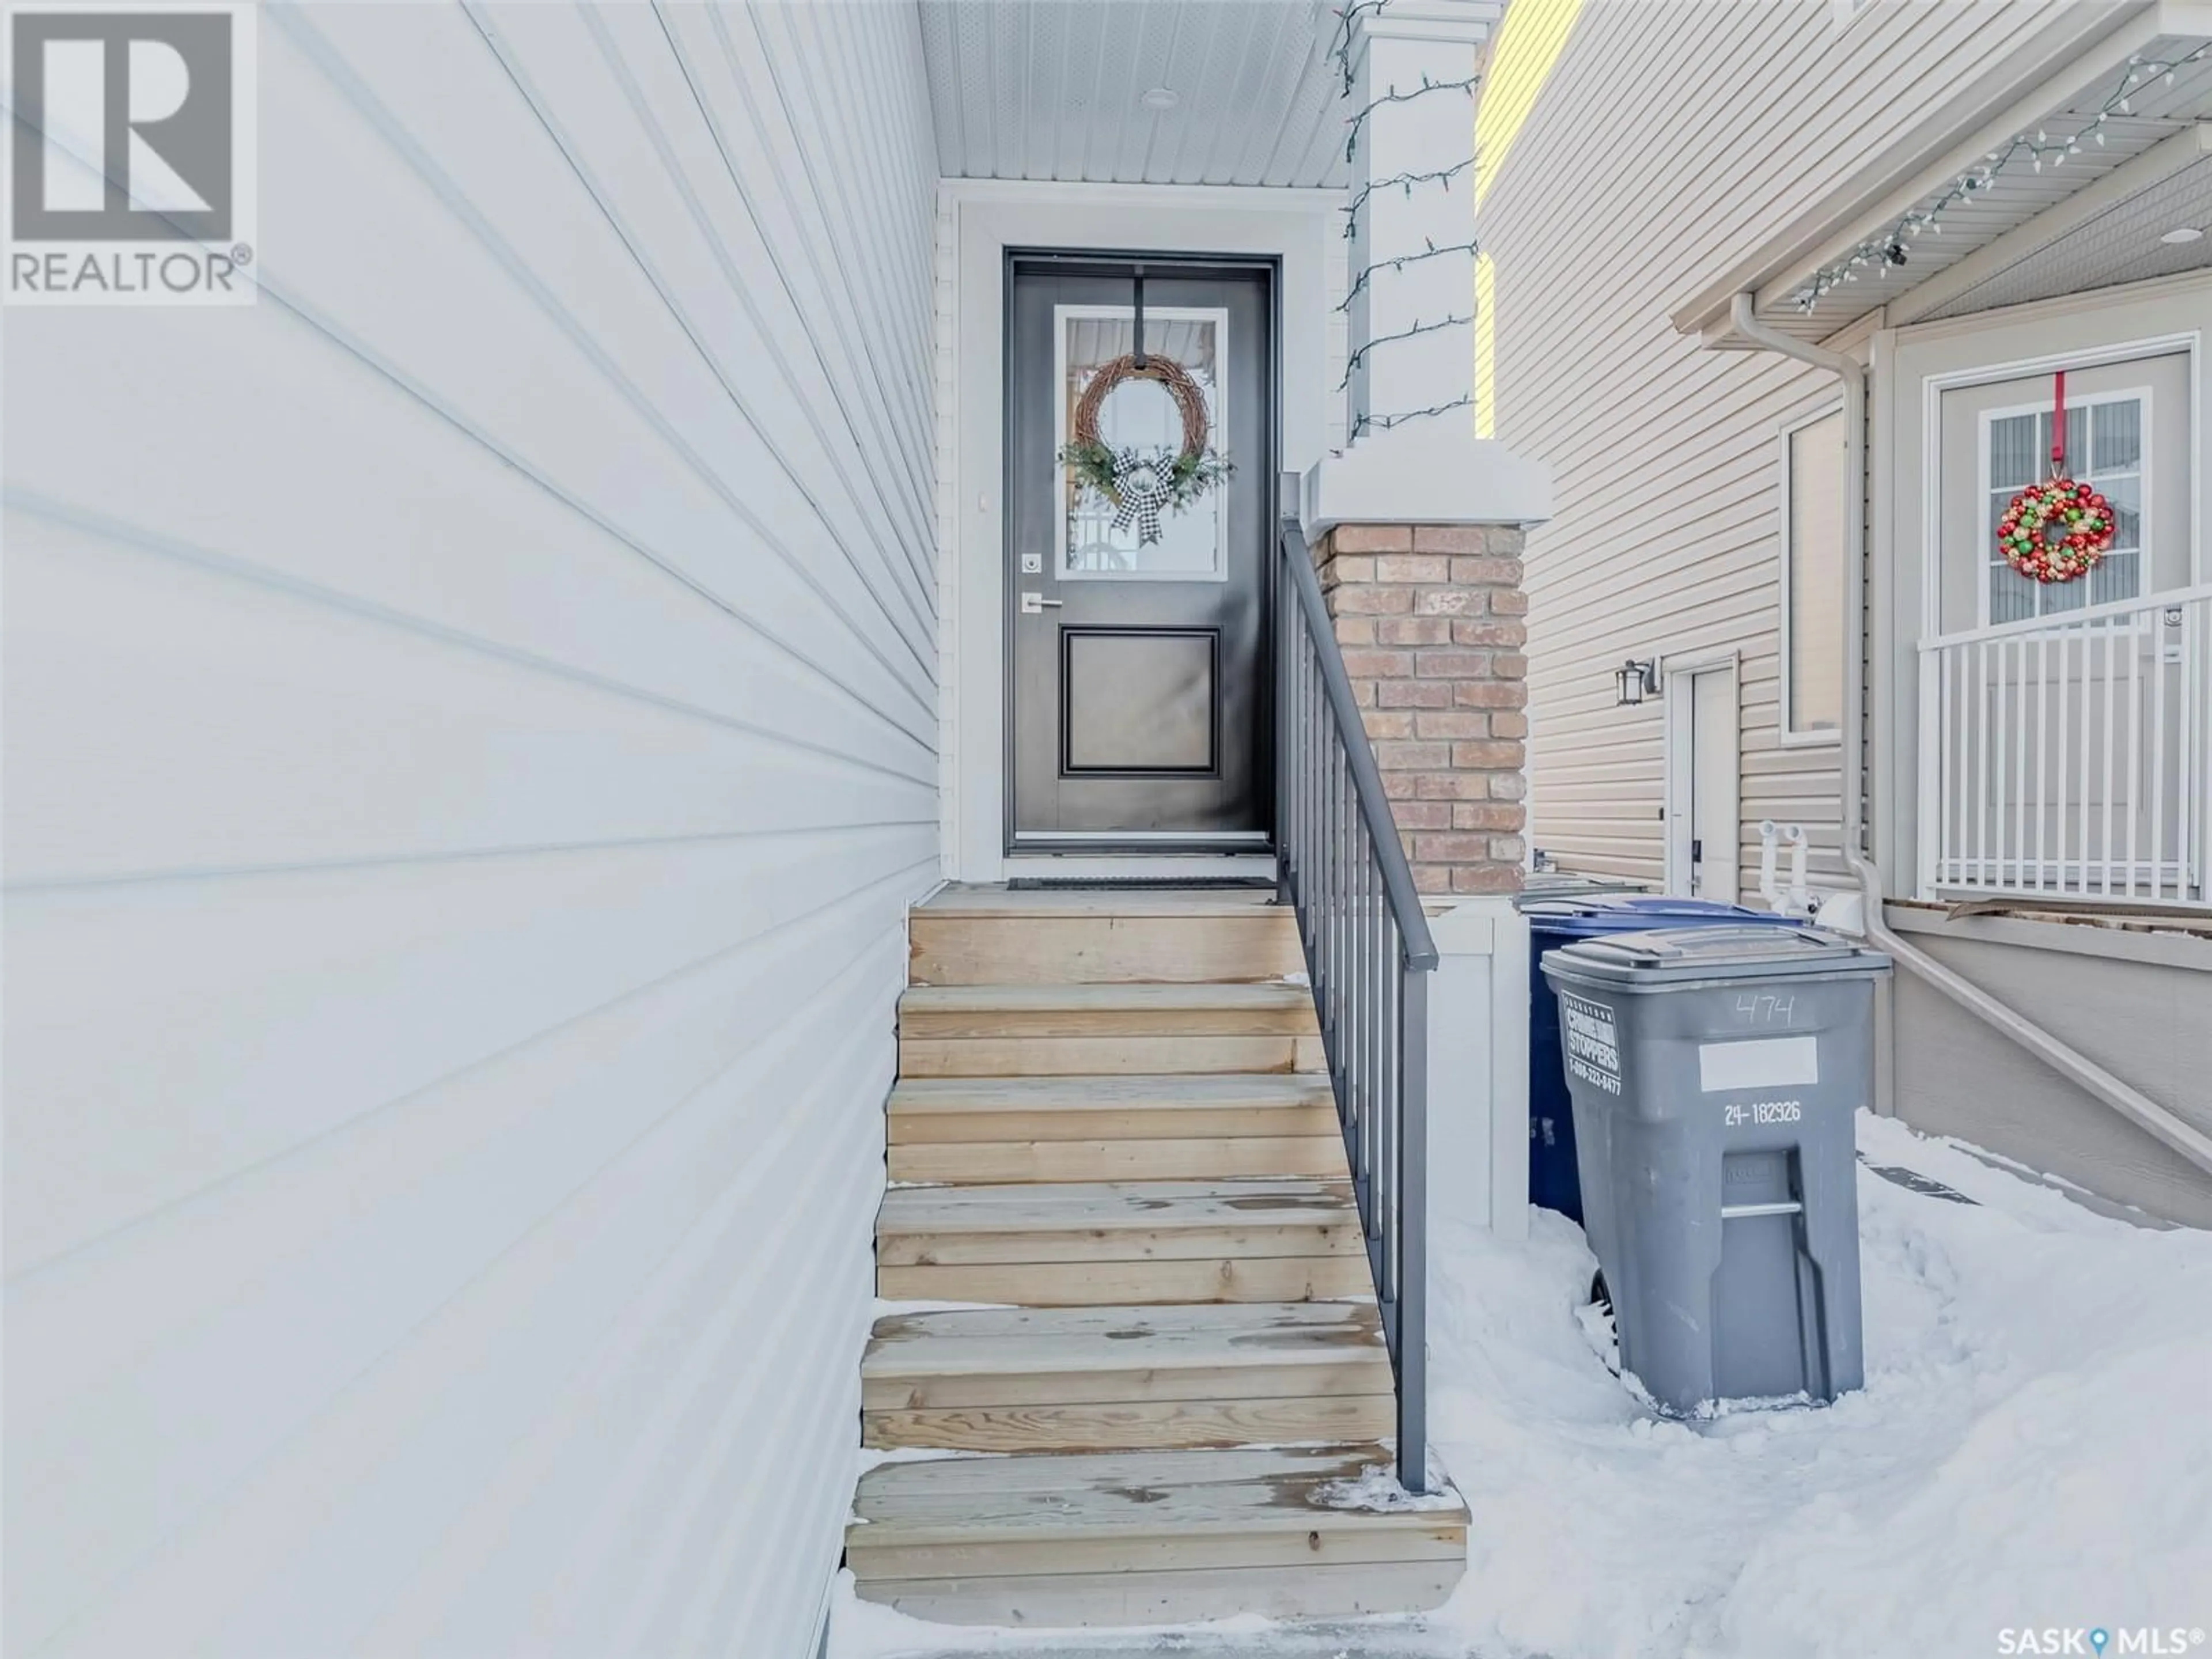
(1430, 617)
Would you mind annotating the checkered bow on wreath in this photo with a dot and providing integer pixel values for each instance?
(1141, 487)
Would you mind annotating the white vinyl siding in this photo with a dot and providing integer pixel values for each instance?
(470, 745)
(1668, 139)
(1812, 577)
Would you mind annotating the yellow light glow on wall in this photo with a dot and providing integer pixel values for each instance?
(1486, 348)
(1522, 55)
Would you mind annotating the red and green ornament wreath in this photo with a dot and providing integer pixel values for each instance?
(2056, 530)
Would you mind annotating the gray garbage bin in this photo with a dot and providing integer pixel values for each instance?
(1714, 1072)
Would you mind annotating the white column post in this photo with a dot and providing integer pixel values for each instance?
(1413, 456)
(1413, 66)
(1413, 461)
(1478, 1068)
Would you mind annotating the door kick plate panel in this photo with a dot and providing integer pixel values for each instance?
(1139, 701)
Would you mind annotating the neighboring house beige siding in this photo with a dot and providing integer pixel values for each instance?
(1664, 141)
(470, 724)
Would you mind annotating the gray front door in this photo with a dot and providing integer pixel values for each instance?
(1137, 698)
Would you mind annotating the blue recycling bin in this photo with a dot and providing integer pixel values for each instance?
(1554, 1180)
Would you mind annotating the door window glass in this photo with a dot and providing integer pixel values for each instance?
(1139, 420)
(2105, 449)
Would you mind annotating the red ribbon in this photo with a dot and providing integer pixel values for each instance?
(2058, 424)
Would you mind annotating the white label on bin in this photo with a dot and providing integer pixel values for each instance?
(1762, 1063)
(1593, 1048)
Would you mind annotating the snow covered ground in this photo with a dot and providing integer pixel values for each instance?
(2033, 1452)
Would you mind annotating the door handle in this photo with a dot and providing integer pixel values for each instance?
(1034, 604)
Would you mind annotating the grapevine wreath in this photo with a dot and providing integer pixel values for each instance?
(1142, 486)
(2056, 530)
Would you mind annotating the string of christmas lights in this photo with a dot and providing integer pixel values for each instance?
(1339, 43)
(1418, 329)
(1976, 183)
(1394, 96)
(1399, 262)
(1384, 423)
(1404, 181)
(1440, 178)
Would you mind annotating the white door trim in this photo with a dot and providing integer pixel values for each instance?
(1677, 676)
(978, 221)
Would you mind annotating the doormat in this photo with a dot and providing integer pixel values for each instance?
(1135, 884)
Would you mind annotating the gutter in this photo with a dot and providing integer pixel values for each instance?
(2070, 1063)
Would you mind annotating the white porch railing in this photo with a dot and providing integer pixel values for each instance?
(2071, 756)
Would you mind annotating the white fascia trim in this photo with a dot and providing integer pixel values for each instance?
(1247, 199)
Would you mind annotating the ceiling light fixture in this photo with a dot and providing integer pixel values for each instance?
(2182, 233)
(1161, 98)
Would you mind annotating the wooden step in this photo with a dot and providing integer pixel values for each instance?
(1085, 1379)
(1149, 1538)
(985, 936)
(1144, 1127)
(1061, 1030)
(1105, 1243)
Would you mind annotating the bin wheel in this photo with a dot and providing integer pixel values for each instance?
(1599, 1294)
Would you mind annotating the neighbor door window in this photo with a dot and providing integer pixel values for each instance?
(2129, 426)
(2105, 449)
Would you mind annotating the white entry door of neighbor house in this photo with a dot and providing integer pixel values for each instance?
(2061, 752)
(2127, 434)
(1702, 745)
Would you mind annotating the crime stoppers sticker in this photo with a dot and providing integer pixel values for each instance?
(1592, 1046)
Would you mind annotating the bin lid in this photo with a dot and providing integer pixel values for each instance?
(1672, 955)
(1547, 886)
(1583, 914)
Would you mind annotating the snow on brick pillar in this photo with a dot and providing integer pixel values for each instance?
(1429, 618)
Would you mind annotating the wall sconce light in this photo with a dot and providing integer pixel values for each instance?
(1637, 680)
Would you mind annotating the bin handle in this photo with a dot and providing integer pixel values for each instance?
(1740, 1211)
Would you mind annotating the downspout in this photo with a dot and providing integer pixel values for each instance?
(2070, 1063)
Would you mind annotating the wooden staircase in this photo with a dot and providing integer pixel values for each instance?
(1111, 1121)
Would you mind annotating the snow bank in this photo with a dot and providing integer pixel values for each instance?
(2032, 1450)
(2033, 1446)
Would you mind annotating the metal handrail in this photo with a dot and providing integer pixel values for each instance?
(1366, 777)
(1368, 953)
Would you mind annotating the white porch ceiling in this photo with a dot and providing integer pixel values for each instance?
(1054, 89)
(2120, 243)
(1991, 252)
